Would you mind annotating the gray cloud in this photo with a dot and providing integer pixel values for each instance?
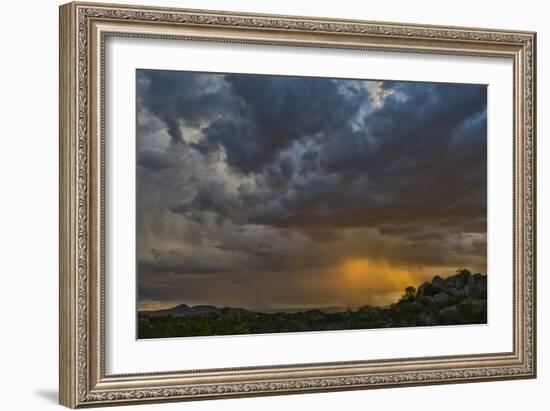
(248, 176)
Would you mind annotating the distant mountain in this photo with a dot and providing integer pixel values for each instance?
(182, 310)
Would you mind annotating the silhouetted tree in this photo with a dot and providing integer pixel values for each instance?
(409, 295)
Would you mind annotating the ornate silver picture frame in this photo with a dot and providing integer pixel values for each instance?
(84, 30)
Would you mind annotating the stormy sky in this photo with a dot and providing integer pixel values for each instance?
(273, 192)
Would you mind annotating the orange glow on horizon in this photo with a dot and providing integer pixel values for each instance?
(368, 281)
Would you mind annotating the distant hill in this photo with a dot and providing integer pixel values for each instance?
(182, 310)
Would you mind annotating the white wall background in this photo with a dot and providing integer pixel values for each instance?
(29, 188)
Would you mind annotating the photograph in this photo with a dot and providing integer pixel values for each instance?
(261, 202)
(281, 204)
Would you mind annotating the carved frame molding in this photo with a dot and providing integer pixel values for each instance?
(84, 27)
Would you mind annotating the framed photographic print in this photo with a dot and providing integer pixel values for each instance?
(259, 204)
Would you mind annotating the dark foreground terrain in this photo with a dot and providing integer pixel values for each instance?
(458, 299)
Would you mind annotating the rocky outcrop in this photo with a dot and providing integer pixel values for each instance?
(458, 299)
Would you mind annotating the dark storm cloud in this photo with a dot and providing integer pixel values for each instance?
(332, 168)
(154, 160)
(173, 262)
(179, 98)
(275, 112)
(434, 153)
